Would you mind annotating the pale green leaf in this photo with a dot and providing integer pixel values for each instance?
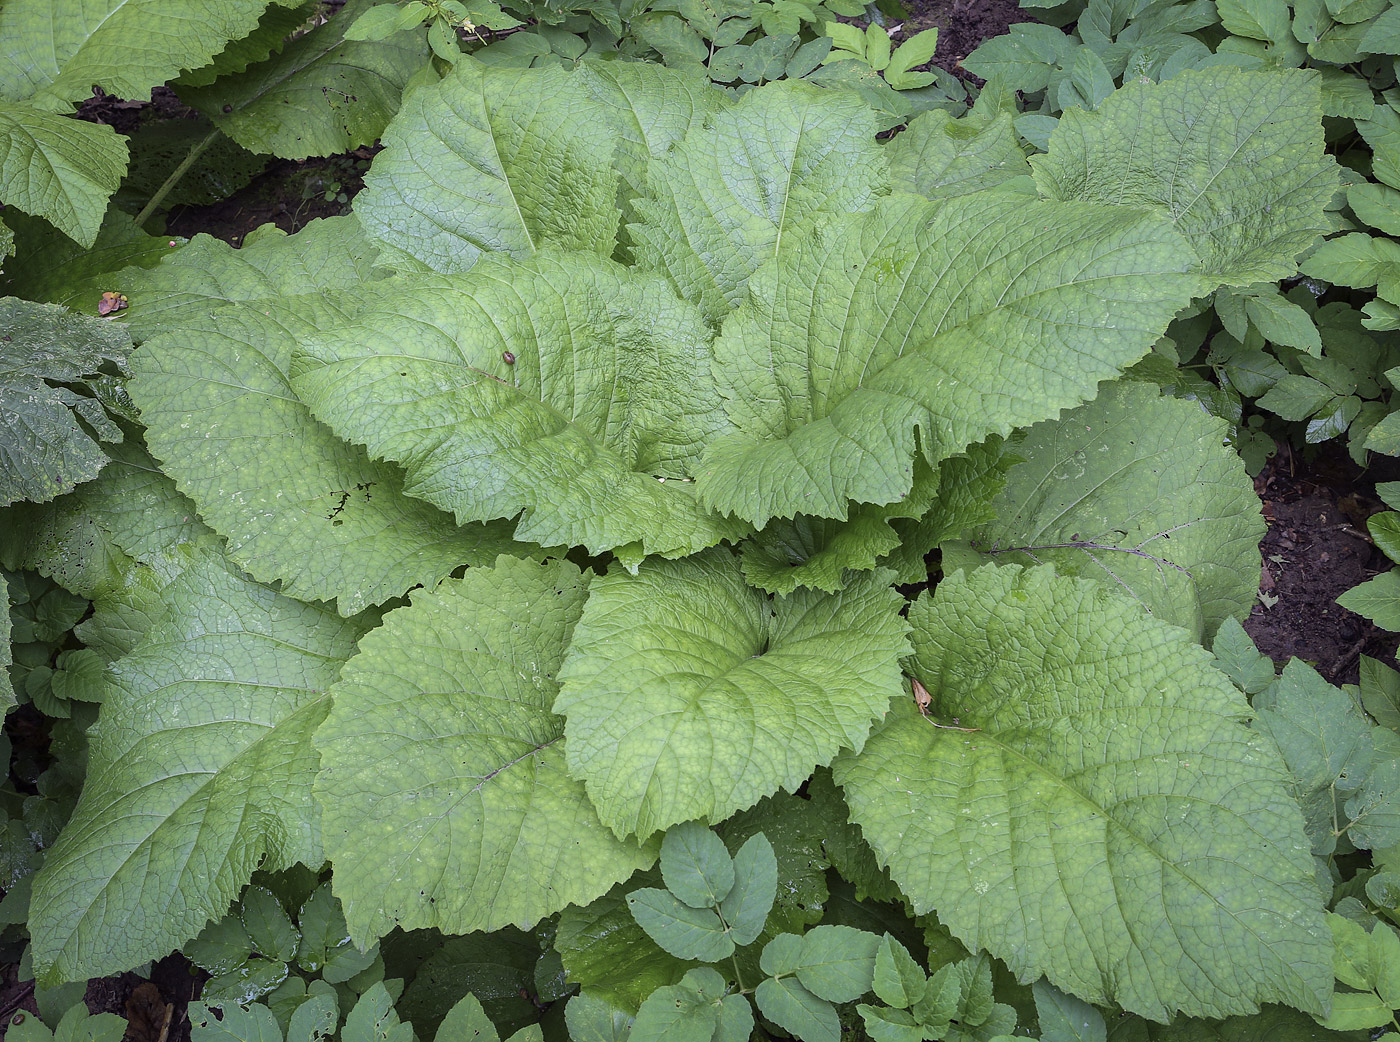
(296, 503)
(1109, 822)
(727, 197)
(1140, 492)
(563, 386)
(1296, 397)
(57, 168)
(61, 49)
(1380, 692)
(46, 447)
(873, 325)
(199, 772)
(277, 24)
(1255, 19)
(683, 931)
(322, 94)
(691, 695)
(494, 159)
(890, 1025)
(819, 552)
(1234, 158)
(795, 1009)
(939, 156)
(1356, 1011)
(442, 775)
(1374, 812)
(696, 867)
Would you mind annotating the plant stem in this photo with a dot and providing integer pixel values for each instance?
(175, 175)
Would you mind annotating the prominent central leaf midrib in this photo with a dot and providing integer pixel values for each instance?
(1035, 767)
(828, 400)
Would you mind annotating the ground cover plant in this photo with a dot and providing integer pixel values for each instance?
(721, 571)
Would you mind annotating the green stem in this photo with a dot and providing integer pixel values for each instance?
(175, 175)
(738, 977)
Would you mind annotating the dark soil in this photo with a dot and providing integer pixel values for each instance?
(962, 25)
(1317, 548)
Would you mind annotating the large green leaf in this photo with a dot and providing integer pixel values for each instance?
(199, 772)
(691, 695)
(296, 503)
(1235, 158)
(71, 275)
(7, 692)
(1138, 491)
(444, 796)
(330, 256)
(938, 156)
(963, 318)
(60, 169)
(322, 94)
(494, 159)
(61, 49)
(46, 441)
(1099, 814)
(724, 199)
(564, 387)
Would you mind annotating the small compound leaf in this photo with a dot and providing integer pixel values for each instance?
(690, 695)
(229, 1022)
(898, 980)
(467, 1020)
(795, 1009)
(1235, 159)
(590, 1018)
(202, 757)
(1113, 824)
(696, 867)
(735, 1020)
(890, 1025)
(1064, 1018)
(683, 931)
(781, 955)
(268, 926)
(837, 963)
(680, 1011)
(445, 800)
(1325, 740)
(746, 907)
(1238, 658)
(374, 1019)
(45, 449)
